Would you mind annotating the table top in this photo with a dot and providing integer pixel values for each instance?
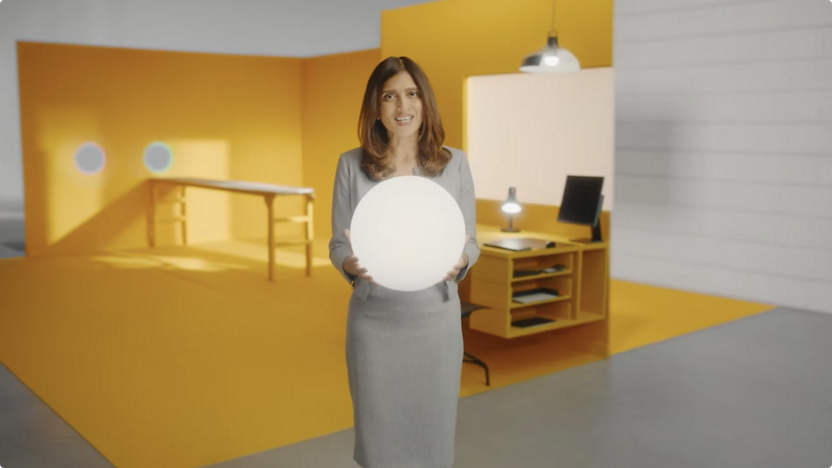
(258, 188)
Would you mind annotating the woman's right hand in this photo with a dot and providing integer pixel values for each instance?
(351, 265)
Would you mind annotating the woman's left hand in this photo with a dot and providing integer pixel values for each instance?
(463, 261)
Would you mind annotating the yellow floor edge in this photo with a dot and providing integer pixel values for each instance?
(642, 315)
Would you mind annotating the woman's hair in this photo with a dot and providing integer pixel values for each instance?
(432, 157)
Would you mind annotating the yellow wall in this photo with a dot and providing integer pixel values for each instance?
(333, 88)
(223, 116)
(454, 39)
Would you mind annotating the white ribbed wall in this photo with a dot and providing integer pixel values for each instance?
(724, 148)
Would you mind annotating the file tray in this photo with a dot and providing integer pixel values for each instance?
(531, 321)
(534, 295)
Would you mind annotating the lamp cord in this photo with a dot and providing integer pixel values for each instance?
(553, 17)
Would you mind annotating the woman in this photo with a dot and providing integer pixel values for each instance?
(404, 349)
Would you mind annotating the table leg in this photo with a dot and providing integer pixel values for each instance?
(151, 216)
(184, 217)
(310, 234)
(270, 206)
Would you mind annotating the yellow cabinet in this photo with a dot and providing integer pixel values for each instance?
(579, 280)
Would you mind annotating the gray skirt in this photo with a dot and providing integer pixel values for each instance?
(404, 360)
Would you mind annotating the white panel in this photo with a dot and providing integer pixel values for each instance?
(785, 261)
(757, 287)
(784, 230)
(774, 169)
(788, 200)
(639, 8)
(763, 107)
(724, 148)
(722, 19)
(811, 138)
(530, 131)
(291, 28)
(796, 75)
(729, 49)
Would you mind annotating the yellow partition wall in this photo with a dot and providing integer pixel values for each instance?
(333, 88)
(454, 39)
(224, 117)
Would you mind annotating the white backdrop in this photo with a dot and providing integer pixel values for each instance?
(530, 131)
(724, 148)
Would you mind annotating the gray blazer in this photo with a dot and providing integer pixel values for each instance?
(351, 184)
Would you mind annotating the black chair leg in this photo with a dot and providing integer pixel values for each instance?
(474, 360)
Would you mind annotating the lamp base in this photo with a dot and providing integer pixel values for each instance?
(510, 229)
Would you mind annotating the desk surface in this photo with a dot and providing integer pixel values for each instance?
(488, 233)
(257, 188)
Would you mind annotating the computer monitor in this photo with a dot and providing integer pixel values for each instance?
(582, 203)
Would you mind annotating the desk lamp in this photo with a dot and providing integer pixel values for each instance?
(510, 206)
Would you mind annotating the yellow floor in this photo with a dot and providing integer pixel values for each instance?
(642, 315)
(183, 357)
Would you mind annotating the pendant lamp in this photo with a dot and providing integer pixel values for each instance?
(551, 59)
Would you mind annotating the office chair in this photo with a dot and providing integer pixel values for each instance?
(467, 309)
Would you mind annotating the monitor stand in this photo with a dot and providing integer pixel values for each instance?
(596, 235)
(596, 228)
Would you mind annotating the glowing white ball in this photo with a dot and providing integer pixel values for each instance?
(408, 232)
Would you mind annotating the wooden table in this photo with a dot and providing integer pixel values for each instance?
(267, 191)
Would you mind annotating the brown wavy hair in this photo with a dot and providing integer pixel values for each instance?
(432, 157)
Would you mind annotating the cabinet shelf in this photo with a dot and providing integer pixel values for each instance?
(542, 275)
(517, 305)
(514, 332)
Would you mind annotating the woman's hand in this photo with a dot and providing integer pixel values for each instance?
(463, 261)
(351, 265)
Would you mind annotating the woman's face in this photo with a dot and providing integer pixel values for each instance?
(401, 106)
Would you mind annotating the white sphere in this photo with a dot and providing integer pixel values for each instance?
(408, 232)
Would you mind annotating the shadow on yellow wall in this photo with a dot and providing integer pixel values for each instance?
(333, 87)
(223, 117)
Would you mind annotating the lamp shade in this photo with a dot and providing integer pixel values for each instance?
(408, 232)
(550, 59)
(511, 205)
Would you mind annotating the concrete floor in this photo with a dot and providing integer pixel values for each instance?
(754, 393)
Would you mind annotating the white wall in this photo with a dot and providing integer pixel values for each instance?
(724, 148)
(529, 131)
(287, 28)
